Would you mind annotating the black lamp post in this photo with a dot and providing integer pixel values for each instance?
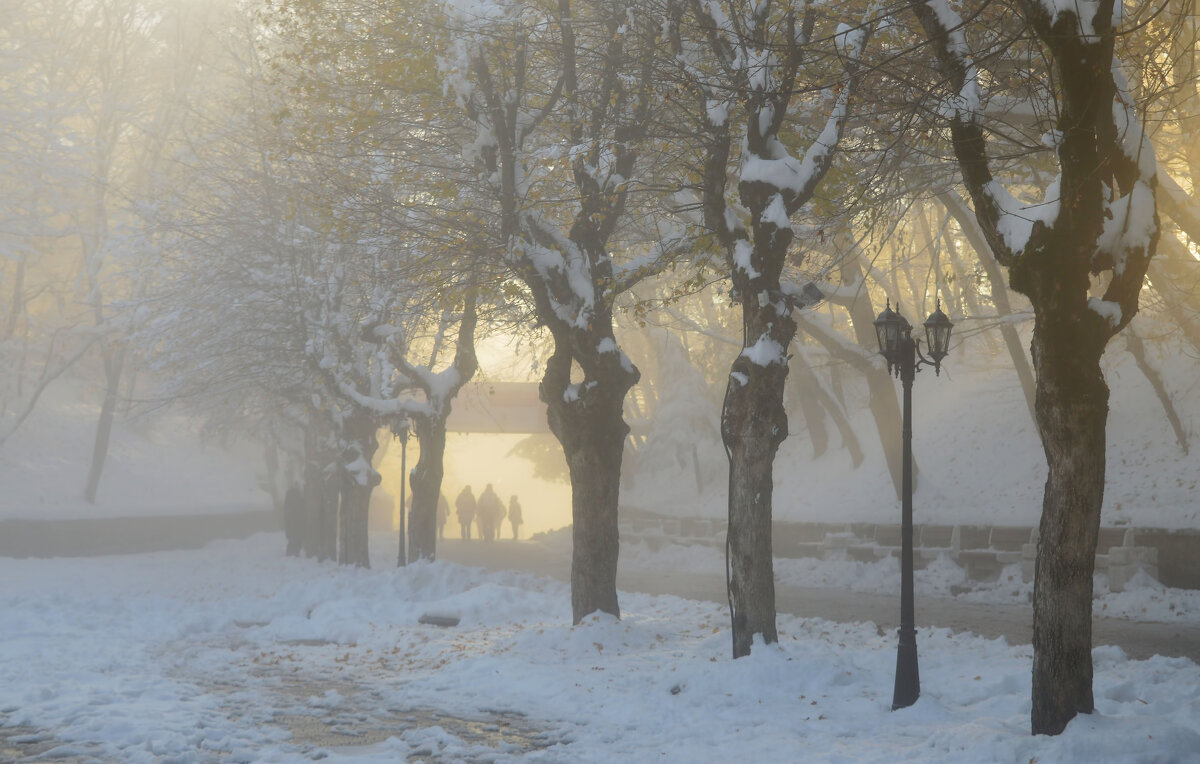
(400, 431)
(904, 357)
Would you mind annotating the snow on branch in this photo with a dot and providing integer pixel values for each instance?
(562, 268)
(626, 275)
(408, 407)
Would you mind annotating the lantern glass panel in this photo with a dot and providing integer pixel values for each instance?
(888, 327)
(937, 333)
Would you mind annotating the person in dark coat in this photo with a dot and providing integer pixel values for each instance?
(491, 513)
(514, 516)
(465, 504)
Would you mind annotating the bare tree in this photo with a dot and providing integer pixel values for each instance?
(1098, 217)
(581, 75)
(758, 52)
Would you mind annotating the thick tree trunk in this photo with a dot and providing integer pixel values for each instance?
(114, 362)
(753, 426)
(1072, 409)
(353, 522)
(426, 484)
(356, 487)
(595, 466)
(588, 421)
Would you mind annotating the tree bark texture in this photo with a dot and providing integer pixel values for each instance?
(352, 522)
(1072, 409)
(426, 477)
(1104, 167)
(588, 421)
(425, 480)
(753, 426)
(356, 486)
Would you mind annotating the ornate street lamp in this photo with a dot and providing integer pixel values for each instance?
(904, 357)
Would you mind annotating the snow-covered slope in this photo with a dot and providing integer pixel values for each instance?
(978, 453)
(156, 465)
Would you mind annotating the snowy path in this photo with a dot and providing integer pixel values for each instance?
(1139, 639)
(234, 653)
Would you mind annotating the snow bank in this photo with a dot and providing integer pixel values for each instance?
(204, 656)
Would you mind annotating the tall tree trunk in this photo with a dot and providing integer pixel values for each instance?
(426, 484)
(588, 421)
(114, 362)
(426, 477)
(353, 522)
(594, 462)
(356, 487)
(1072, 409)
(271, 461)
(753, 426)
(310, 525)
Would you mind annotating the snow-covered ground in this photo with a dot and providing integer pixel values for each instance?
(235, 653)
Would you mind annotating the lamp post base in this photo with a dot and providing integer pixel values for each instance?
(908, 676)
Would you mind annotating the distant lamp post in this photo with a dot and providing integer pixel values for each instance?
(904, 358)
(400, 432)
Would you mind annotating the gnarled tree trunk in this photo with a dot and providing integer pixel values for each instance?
(426, 483)
(588, 421)
(1072, 408)
(753, 426)
(358, 480)
(426, 477)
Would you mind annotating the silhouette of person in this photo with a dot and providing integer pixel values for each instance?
(465, 504)
(514, 516)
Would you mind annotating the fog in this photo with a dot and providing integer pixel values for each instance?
(249, 249)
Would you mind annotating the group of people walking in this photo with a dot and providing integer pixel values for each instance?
(487, 511)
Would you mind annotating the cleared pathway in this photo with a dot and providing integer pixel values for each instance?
(1139, 639)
